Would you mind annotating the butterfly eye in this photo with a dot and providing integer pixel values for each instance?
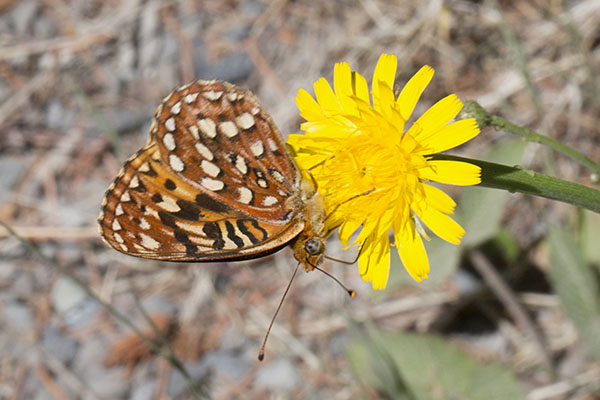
(313, 247)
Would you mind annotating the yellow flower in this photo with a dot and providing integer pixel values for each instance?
(372, 172)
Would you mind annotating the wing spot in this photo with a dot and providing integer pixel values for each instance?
(208, 127)
(277, 175)
(125, 197)
(269, 201)
(170, 185)
(116, 226)
(144, 224)
(213, 185)
(245, 121)
(118, 238)
(149, 242)
(240, 164)
(272, 145)
(257, 148)
(212, 95)
(176, 163)
(262, 183)
(233, 97)
(210, 168)
(119, 210)
(246, 195)
(194, 131)
(169, 142)
(190, 98)
(229, 129)
(170, 124)
(135, 182)
(169, 204)
(204, 151)
(123, 247)
(176, 109)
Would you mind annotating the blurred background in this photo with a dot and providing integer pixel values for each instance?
(514, 312)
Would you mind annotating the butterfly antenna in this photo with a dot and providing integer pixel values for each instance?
(261, 353)
(350, 292)
(344, 261)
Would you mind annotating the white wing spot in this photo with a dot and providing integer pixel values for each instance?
(272, 145)
(190, 227)
(169, 204)
(125, 197)
(135, 182)
(204, 151)
(277, 176)
(228, 128)
(262, 183)
(194, 130)
(270, 200)
(148, 242)
(212, 95)
(145, 167)
(240, 164)
(257, 148)
(212, 184)
(123, 247)
(118, 238)
(116, 226)
(169, 141)
(119, 210)
(152, 212)
(245, 121)
(176, 163)
(210, 168)
(245, 195)
(232, 97)
(255, 110)
(190, 98)
(170, 124)
(176, 109)
(144, 224)
(208, 127)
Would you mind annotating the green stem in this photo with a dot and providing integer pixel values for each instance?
(518, 179)
(472, 109)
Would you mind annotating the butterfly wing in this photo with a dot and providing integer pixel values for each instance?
(199, 192)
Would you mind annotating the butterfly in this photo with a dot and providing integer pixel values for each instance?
(215, 182)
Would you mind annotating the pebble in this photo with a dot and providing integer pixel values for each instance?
(278, 375)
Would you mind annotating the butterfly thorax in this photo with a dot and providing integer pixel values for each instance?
(309, 245)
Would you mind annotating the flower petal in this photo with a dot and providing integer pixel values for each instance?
(412, 91)
(442, 225)
(326, 98)
(309, 108)
(342, 84)
(452, 172)
(412, 253)
(451, 135)
(374, 262)
(438, 116)
(385, 73)
(439, 200)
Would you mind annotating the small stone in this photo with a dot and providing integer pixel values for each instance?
(66, 294)
(278, 375)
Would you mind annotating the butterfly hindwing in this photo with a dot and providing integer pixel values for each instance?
(215, 136)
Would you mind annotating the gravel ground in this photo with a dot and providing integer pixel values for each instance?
(79, 81)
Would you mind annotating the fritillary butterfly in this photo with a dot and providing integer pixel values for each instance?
(214, 182)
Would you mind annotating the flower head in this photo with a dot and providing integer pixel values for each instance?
(373, 173)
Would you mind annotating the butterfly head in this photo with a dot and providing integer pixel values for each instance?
(309, 246)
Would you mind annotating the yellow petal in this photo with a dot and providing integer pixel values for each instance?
(374, 262)
(385, 73)
(360, 87)
(342, 85)
(442, 225)
(412, 253)
(412, 91)
(439, 115)
(309, 108)
(452, 172)
(439, 200)
(325, 97)
(451, 135)
(347, 229)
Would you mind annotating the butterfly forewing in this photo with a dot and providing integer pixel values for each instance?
(214, 182)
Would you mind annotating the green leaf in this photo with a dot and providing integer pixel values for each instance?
(590, 233)
(430, 368)
(480, 209)
(576, 286)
